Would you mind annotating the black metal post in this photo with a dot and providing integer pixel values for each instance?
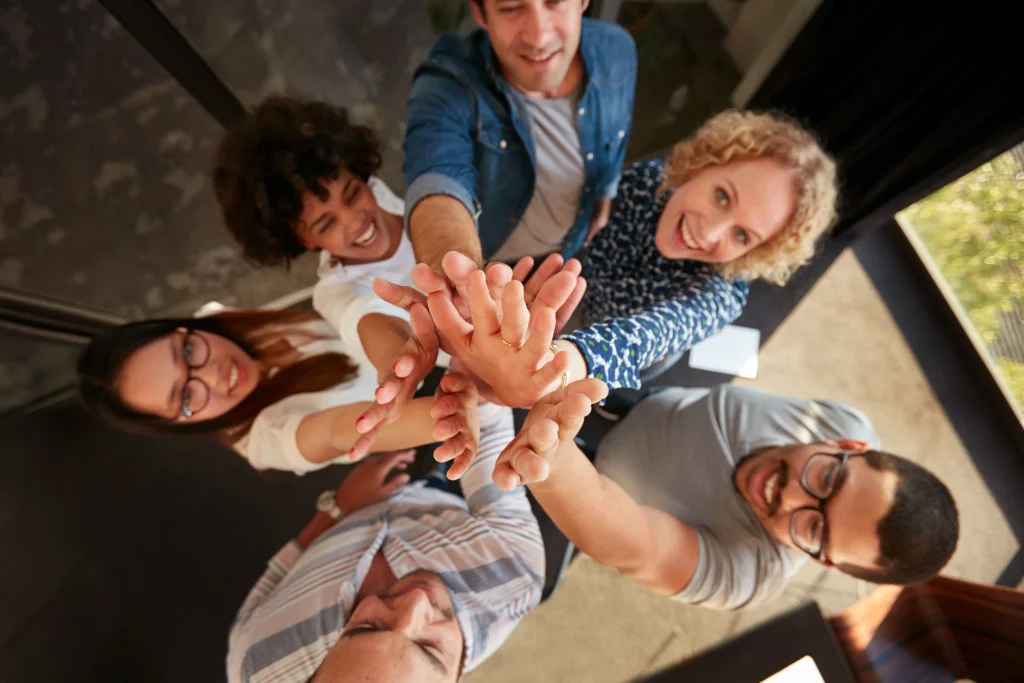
(155, 32)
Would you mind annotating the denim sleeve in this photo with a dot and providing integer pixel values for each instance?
(438, 144)
(616, 350)
(609, 183)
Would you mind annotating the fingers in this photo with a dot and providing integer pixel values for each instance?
(573, 266)
(485, 313)
(447, 320)
(569, 415)
(556, 291)
(395, 483)
(547, 268)
(594, 389)
(453, 446)
(455, 382)
(457, 267)
(427, 281)
(522, 268)
(447, 427)
(397, 295)
(541, 333)
(460, 464)
(552, 371)
(389, 388)
(389, 461)
(569, 307)
(527, 462)
(515, 317)
(423, 329)
(372, 417)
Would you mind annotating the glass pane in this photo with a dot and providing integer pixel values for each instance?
(684, 73)
(30, 368)
(973, 230)
(105, 196)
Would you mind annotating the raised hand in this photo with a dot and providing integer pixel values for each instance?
(397, 388)
(512, 355)
(368, 483)
(553, 421)
(456, 423)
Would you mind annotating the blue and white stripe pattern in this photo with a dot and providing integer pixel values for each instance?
(639, 306)
(486, 548)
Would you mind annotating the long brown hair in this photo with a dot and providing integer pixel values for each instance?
(270, 337)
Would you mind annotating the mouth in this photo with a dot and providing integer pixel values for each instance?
(540, 61)
(236, 375)
(367, 236)
(764, 487)
(686, 236)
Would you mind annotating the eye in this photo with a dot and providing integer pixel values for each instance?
(742, 236)
(721, 197)
(325, 226)
(186, 349)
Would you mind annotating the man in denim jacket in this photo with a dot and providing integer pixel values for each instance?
(517, 133)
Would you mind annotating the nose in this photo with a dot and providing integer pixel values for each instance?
(716, 227)
(412, 611)
(213, 375)
(537, 27)
(794, 496)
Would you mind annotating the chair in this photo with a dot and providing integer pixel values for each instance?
(941, 631)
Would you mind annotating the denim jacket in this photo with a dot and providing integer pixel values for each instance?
(468, 133)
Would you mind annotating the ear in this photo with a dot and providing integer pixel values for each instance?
(586, 4)
(852, 445)
(478, 13)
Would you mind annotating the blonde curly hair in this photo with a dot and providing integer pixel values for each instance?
(743, 136)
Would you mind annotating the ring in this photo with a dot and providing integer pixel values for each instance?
(513, 346)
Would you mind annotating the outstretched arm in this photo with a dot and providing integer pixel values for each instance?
(596, 514)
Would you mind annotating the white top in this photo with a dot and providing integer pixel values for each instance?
(271, 443)
(345, 294)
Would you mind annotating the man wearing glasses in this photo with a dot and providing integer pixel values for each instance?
(716, 497)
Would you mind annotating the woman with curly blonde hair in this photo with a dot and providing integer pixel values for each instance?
(746, 196)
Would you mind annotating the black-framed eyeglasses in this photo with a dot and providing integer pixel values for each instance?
(821, 477)
(195, 394)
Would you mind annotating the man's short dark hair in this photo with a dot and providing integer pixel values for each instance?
(266, 164)
(919, 533)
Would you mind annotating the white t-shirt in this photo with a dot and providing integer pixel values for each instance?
(345, 294)
(271, 443)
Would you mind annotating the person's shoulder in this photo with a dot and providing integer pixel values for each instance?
(643, 175)
(458, 50)
(608, 34)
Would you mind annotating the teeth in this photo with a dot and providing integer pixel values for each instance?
(537, 59)
(687, 237)
(367, 236)
(770, 486)
(234, 377)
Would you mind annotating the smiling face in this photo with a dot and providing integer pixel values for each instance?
(722, 212)
(770, 484)
(156, 378)
(536, 42)
(406, 633)
(350, 225)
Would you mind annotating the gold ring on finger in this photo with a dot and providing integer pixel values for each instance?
(511, 345)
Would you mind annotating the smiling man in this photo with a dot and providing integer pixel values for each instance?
(391, 582)
(716, 497)
(517, 133)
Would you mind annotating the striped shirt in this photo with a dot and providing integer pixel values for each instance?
(486, 548)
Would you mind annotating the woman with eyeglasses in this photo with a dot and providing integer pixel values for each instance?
(273, 385)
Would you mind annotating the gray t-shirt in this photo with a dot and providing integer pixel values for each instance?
(560, 178)
(677, 450)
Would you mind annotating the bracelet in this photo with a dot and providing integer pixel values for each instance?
(565, 375)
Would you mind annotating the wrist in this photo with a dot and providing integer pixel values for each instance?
(577, 364)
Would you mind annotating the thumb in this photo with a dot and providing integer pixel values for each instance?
(397, 482)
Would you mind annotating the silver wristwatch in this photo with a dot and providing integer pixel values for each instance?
(327, 503)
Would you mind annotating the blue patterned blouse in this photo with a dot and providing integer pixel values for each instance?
(639, 306)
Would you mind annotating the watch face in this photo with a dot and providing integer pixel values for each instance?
(325, 502)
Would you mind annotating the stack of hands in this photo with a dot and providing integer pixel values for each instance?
(498, 326)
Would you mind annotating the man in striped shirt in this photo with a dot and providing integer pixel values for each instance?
(412, 584)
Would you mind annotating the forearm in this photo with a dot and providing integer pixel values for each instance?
(412, 428)
(439, 224)
(593, 512)
(577, 361)
(383, 337)
(320, 523)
